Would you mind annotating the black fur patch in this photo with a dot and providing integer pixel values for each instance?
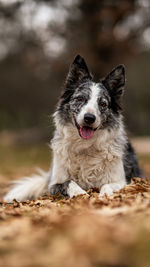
(114, 83)
(60, 189)
(130, 162)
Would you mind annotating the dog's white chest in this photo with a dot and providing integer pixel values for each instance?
(91, 168)
(88, 167)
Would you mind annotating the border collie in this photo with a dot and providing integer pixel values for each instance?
(90, 146)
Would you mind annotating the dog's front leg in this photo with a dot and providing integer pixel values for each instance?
(116, 178)
(60, 181)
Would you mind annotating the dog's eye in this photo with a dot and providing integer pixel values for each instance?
(103, 104)
(80, 99)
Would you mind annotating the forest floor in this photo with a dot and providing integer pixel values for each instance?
(83, 231)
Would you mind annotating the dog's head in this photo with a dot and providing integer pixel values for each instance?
(91, 106)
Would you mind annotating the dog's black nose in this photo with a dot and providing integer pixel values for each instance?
(89, 118)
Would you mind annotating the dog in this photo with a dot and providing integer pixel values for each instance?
(90, 145)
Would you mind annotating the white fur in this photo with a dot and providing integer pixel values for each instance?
(91, 107)
(28, 188)
(109, 189)
(74, 190)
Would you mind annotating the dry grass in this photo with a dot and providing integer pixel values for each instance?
(86, 232)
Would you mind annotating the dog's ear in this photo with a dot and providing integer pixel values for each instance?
(78, 71)
(114, 83)
(115, 80)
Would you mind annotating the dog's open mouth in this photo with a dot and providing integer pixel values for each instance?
(86, 132)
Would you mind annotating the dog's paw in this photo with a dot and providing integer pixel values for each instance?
(75, 190)
(109, 189)
(60, 189)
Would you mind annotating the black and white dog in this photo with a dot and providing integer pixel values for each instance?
(90, 146)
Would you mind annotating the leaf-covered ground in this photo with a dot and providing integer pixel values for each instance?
(83, 231)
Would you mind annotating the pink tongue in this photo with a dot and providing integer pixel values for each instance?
(86, 132)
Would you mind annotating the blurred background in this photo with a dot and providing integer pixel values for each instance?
(38, 41)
